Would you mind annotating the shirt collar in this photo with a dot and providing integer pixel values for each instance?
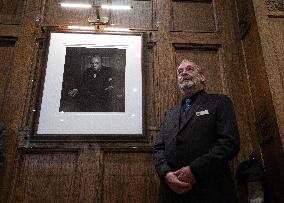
(194, 96)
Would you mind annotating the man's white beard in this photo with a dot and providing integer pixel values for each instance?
(189, 84)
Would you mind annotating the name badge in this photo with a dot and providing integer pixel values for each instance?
(201, 113)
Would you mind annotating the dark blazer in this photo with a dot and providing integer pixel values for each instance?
(206, 141)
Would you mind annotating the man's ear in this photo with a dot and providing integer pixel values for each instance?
(202, 77)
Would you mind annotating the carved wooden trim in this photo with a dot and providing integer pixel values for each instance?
(27, 146)
(276, 14)
(275, 5)
(15, 18)
(8, 40)
(193, 46)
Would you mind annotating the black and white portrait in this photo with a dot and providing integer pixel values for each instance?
(92, 85)
(93, 80)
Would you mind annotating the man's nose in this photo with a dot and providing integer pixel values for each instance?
(184, 73)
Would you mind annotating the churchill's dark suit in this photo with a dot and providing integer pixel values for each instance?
(205, 139)
(95, 90)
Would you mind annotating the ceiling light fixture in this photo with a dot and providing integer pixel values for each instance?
(75, 5)
(99, 23)
(116, 7)
(104, 6)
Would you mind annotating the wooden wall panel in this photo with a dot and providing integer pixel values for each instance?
(129, 177)
(11, 11)
(46, 178)
(277, 28)
(33, 12)
(7, 47)
(194, 16)
(7, 53)
(89, 176)
(132, 18)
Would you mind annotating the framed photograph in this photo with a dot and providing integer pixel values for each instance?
(93, 85)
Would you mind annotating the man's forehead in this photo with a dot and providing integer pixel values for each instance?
(186, 63)
(96, 59)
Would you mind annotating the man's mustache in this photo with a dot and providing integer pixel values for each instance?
(187, 78)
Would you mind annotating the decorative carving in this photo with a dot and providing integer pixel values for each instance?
(275, 5)
(281, 6)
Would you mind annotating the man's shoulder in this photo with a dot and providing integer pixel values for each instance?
(219, 99)
(173, 109)
(217, 96)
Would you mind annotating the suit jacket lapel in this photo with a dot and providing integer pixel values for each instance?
(176, 119)
(195, 107)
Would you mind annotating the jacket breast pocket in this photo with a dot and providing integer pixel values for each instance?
(202, 119)
(205, 123)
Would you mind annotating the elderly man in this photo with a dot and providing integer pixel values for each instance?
(94, 93)
(197, 140)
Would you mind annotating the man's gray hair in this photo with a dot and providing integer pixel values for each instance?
(198, 67)
(96, 56)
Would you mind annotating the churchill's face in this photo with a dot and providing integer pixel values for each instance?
(96, 63)
(188, 75)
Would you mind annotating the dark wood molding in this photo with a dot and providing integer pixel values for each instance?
(245, 24)
(8, 40)
(75, 145)
(193, 46)
(276, 14)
